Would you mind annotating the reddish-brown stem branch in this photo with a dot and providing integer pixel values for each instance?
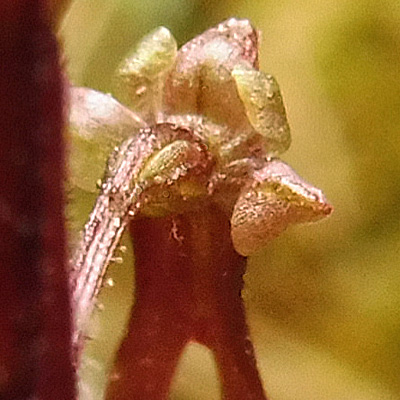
(103, 231)
(35, 317)
(188, 284)
(122, 197)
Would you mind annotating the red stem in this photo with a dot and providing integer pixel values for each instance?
(35, 326)
(188, 284)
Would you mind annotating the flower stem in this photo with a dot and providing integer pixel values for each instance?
(104, 229)
(123, 195)
(188, 286)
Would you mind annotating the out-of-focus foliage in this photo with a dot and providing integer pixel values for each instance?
(323, 300)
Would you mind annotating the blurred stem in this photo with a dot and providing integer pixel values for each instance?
(35, 315)
(58, 9)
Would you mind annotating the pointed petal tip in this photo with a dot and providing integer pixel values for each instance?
(327, 209)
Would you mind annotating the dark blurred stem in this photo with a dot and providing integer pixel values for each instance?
(188, 288)
(58, 9)
(35, 314)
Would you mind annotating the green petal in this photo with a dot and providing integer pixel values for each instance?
(97, 123)
(139, 79)
(264, 107)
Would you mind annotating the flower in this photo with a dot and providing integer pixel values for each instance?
(211, 87)
(196, 141)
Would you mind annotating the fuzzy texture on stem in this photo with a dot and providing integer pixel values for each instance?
(189, 282)
(125, 192)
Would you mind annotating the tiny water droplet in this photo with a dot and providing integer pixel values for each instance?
(110, 282)
(117, 222)
(140, 91)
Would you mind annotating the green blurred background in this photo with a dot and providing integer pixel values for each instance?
(323, 300)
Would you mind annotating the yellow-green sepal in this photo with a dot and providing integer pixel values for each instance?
(264, 107)
(140, 78)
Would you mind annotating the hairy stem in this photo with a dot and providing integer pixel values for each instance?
(118, 198)
(188, 285)
(123, 195)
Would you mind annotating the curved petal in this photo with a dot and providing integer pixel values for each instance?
(201, 81)
(262, 100)
(140, 78)
(277, 198)
(97, 123)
